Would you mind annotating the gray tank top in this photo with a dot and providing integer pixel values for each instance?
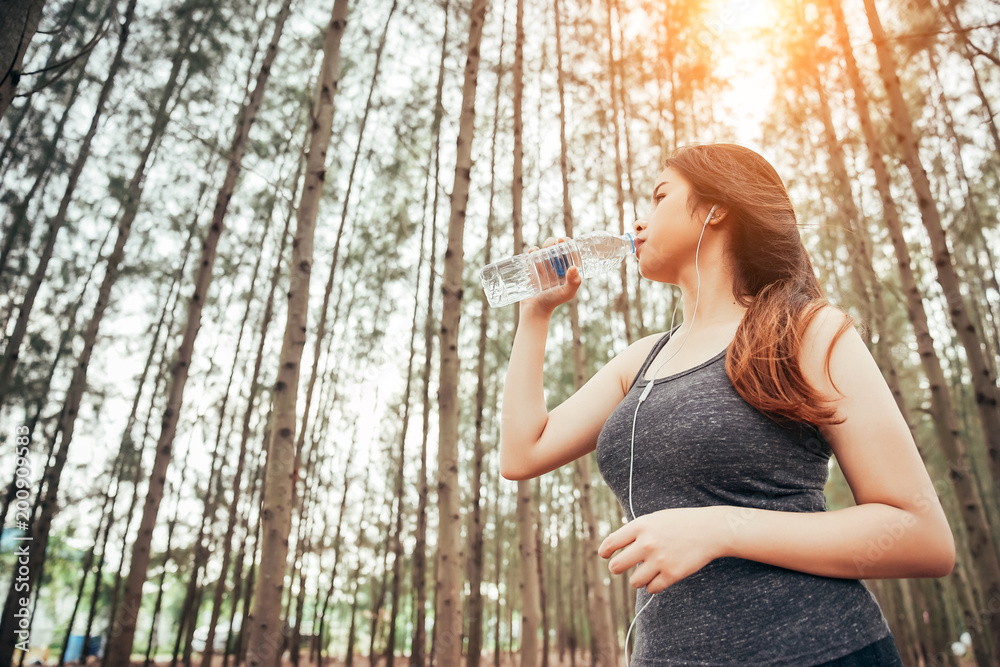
(698, 443)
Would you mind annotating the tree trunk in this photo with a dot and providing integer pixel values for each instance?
(983, 381)
(622, 304)
(18, 23)
(450, 551)
(601, 625)
(952, 445)
(528, 584)
(476, 546)
(497, 560)
(540, 561)
(141, 550)
(264, 637)
(167, 555)
(398, 491)
(864, 279)
(254, 551)
(127, 444)
(213, 492)
(245, 120)
(78, 384)
(972, 236)
(321, 327)
(418, 645)
(88, 563)
(138, 472)
(337, 542)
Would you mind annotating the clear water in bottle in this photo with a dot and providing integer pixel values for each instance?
(522, 276)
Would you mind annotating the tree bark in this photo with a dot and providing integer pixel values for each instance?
(120, 648)
(264, 637)
(167, 555)
(948, 435)
(78, 384)
(18, 24)
(476, 537)
(622, 304)
(418, 644)
(450, 550)
(528, 583)
(983, 381)
(244, 122)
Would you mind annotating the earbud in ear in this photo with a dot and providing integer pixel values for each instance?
(710, 215)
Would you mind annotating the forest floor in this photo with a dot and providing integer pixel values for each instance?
(506, 660)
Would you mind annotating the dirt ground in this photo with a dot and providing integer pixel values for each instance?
(506, 660)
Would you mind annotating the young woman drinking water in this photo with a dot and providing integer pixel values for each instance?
(716, 435)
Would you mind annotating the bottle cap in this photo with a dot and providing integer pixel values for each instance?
(630, 237)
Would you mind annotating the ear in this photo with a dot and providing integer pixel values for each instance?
(718, 215)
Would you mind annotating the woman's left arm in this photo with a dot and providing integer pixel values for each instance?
(898, 528)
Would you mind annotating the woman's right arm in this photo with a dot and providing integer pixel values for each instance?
(533, 440)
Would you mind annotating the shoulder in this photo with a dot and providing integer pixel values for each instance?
(829, 344)
(826, 324)
(627, 363)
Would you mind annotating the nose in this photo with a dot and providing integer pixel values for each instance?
(640, 225)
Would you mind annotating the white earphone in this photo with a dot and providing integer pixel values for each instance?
(645, 395)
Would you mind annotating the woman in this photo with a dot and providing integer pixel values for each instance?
(716, 436)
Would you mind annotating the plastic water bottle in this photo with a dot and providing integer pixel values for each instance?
(522, 276)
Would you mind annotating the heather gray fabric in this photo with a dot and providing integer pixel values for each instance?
(698, 443)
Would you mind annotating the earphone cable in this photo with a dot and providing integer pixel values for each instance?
(645, 394)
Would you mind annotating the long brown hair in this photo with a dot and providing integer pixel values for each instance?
(773, 279)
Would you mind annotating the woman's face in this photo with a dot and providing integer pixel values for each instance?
(668, 236)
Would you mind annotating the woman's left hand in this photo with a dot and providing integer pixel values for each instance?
(669, 545)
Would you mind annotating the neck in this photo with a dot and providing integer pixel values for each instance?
(716, 303)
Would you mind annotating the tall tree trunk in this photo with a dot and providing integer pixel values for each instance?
(87, 564)
(167, 555)
(949, 440)
(138, 472)
(983, 381)
(257, 503)
(418, 645)
(450, 551)
(360, 545)
(863, 276)
(477, 556)
(398, 491)
(13, 346)
(213, 491)
(303, 546)
(238, 582)
(972, 237)
(540, 561)
(337, 544)
(18, 23)
(622, 304)
(78, 384)
(321, 327)
(264, 637)
(598, 603)
(528, 584)
(498, 538)
(227, 540)
(120, 648)
(127, 444)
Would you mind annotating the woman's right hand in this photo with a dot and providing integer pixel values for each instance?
(547, 301)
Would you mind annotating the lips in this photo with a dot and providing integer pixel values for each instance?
(638, 246)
